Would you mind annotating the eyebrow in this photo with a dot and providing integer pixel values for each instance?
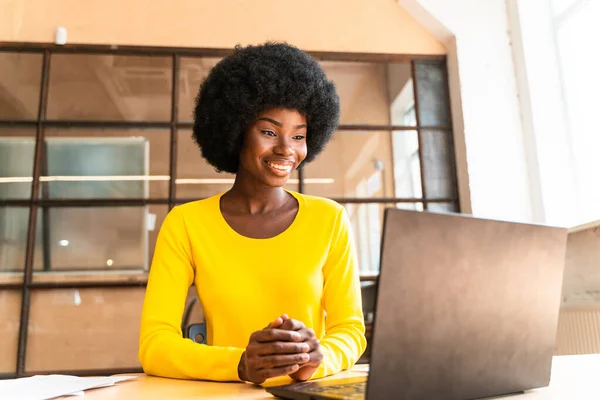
(279, 124)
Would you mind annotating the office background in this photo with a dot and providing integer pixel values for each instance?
(441, 110)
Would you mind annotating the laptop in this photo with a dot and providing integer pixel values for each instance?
(466, 308)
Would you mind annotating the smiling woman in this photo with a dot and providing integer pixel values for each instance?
(261, 114)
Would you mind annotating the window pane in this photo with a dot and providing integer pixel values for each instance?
(10, 309)
(407, 165)
(78, 329)
(13, 238)
(192, 72)
(366, 94)
(438, 164)
(369, 92)
(110, 87)
(196, 179)
(367, 225)
(97, 238)
(367, 222)
(20, 89)
(401, 94)
(354, 164)
(17, 147)
(105, 163)
(442, 207)
(432, 94)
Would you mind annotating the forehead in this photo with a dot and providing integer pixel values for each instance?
(284, 116)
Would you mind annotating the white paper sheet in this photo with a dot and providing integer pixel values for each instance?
(42, 387)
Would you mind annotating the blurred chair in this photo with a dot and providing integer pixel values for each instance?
(196, 331)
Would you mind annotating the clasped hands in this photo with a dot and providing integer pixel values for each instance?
(284, 347)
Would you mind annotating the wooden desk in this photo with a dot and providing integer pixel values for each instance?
(573, 377)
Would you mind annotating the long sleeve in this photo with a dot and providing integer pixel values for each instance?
(344, 341)
(162, 349)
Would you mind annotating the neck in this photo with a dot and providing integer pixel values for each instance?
(253, 197)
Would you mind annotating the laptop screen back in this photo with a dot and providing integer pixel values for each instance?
(466, 307)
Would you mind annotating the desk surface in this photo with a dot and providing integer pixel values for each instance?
(573, 377)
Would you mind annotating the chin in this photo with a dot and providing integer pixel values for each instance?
(273, 180)
(276, 182)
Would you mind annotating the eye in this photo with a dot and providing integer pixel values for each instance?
(298, 137)
(268, 133)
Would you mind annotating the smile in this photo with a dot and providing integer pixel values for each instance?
(280, 167)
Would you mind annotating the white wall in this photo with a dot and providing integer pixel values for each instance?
(489, 136)
(541, 101)
(516, 151)
(563, 105)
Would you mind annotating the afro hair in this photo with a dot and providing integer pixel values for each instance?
(252, 80)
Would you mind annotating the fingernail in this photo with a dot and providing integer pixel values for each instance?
(305, 357)
(296, 336)
(304, 346)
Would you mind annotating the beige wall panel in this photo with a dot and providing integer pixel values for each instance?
(373, 26)
(10, 309)
(72, 329)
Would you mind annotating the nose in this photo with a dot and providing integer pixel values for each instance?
(283, 147)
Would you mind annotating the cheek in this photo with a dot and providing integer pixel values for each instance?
(302, 151)
(252, 148)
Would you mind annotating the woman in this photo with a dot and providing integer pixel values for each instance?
(275, 270)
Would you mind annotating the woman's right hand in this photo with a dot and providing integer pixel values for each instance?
(272, 352)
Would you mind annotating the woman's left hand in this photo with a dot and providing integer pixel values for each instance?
(315, 353)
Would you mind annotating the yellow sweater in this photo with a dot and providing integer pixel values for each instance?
(243, 284)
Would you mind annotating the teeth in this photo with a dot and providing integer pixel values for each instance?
(279, 167)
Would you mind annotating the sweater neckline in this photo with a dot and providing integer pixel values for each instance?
(283, 234)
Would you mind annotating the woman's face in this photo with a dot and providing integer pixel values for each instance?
(274, 146)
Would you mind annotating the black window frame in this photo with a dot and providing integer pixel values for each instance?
(35, 203)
